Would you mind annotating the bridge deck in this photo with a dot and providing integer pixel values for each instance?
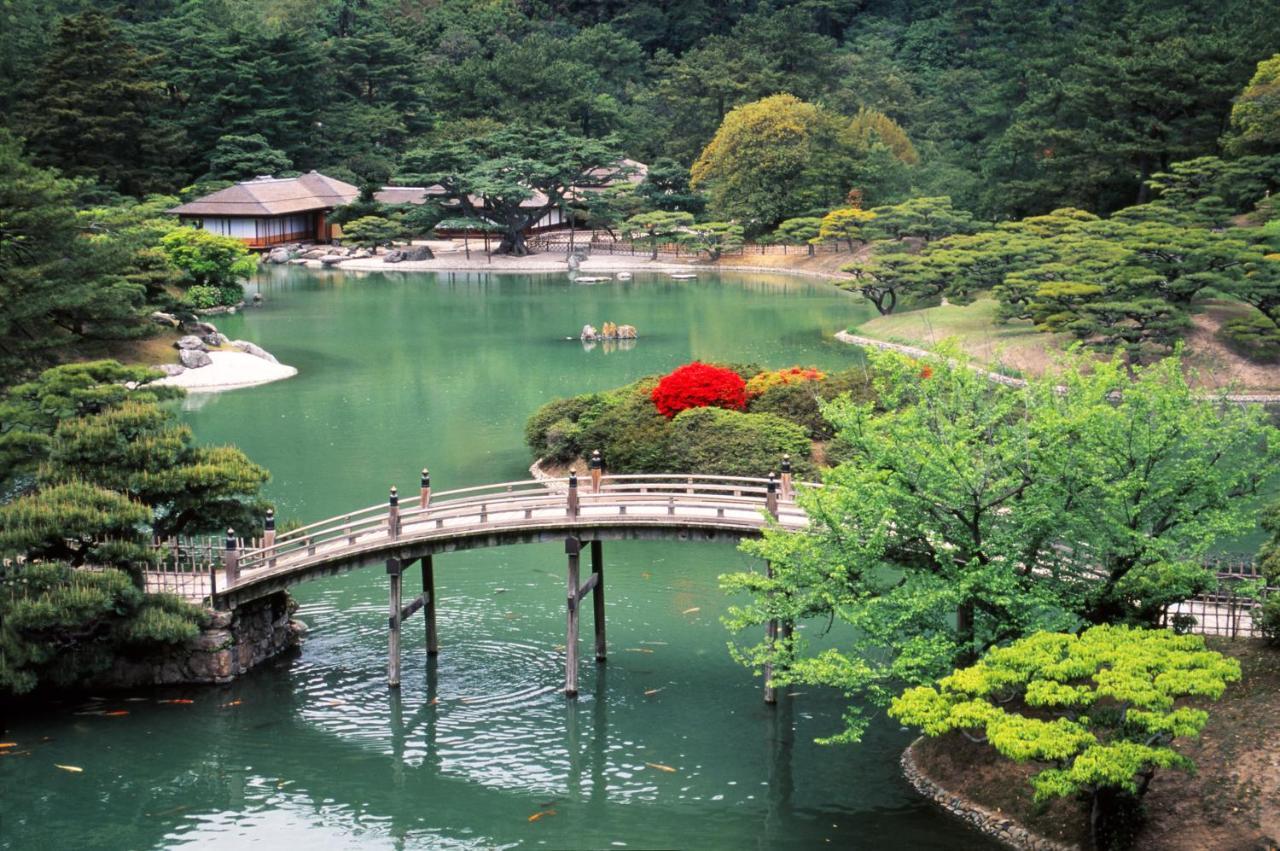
(509, 513)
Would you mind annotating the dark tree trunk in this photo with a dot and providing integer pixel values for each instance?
(513, 243)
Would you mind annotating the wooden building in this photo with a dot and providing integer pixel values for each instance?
(269, 211)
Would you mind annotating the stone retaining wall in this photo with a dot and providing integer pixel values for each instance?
(997, 825)
(232, 644)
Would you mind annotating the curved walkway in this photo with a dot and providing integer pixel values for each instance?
(623, 507)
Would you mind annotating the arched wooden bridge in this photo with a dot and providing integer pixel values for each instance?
(616, 507)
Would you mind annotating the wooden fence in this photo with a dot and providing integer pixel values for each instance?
(602, 243)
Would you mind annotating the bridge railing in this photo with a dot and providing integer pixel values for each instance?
(411, 517)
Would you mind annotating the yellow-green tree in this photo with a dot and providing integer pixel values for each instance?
(1255, 117)
(871, 126)
(844, 223)
(772, 159)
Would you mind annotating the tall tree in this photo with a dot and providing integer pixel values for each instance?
(971, 514)
(513, 176)
(93, 111)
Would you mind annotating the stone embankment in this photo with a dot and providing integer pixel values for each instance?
(994, 824)
(917, 352)
(232, 644)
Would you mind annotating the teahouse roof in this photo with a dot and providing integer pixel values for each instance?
(273, 196)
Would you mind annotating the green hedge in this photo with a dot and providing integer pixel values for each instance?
(730, 443)
(1256, 338)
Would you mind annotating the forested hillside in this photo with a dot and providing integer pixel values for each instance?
(1013, 107)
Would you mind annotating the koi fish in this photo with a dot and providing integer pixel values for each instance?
(177, 700)
(118, 713)
(691, 610)
(639, 650)
(4, 745)
(653, 691)
(74, 769)
(233, 703)
(661, 767)
(541, 815)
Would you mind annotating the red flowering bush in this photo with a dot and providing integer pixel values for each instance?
(699, 385)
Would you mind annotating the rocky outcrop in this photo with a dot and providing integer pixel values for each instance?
(194, 358)
(279, 255)
(172, 368)
(994, 824)
(608, 331)
(191, 341)
(415, 253)
(161, 318)
(395, 255)
(232, 643)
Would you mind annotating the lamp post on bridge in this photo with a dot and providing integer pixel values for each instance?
(393, 513)
(597, 470)
(269, 529)
(786, 478)
(231, 559)
(573, 493)
(425, 484)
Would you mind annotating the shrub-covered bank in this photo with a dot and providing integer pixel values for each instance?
(776, 413)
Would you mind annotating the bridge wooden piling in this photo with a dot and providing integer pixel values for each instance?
(429, 591)
(393, 623)
(573, 549)
(597, 596)
(771, 628)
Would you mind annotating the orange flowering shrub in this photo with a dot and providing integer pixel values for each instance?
(772, 378)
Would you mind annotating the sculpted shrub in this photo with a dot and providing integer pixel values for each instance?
(728, 443)
(758, 384)
(699, 385)
(1099, 711)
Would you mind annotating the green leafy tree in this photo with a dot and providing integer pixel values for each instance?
(925, 218)
(138, 449)
(970, 514)
(770, 160)
(803, 230)
(372, 231)
(246, 157)
(30, 412)
(513, 176)
(208, 259)
(1255, 115)
(77, 523)
(657, 226)
(56, 287)
(888, 280)
(1100, 711)
(666, 187)
(871, 127)
(714, 238)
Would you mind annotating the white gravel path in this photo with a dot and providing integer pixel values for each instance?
(229, 371)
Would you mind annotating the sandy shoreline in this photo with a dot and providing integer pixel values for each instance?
(229, 371)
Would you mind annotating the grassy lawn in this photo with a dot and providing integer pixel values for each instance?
(1017, 348)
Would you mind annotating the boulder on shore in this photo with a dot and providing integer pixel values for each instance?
(332, 259)
(172, 368)
(163, 318)
(200, 329)
(190, 343)
(412, 253)
(194, 358)
(279, 255)
(253, 349)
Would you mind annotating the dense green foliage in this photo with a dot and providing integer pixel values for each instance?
(634, 437)
(1010, 108)
(1099, 710)
(59, 625)
(969, 514)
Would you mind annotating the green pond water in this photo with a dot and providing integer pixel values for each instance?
(401, 371)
